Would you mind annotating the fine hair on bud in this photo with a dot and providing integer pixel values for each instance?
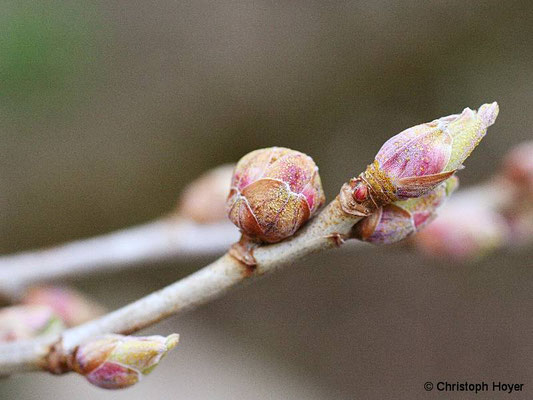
(117, 361)
(401, 219)
(274, 191)
(416, 160)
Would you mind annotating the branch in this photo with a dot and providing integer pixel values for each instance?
(171, 238)
(52, 352)
(164, 239)
(438, 148)
(324, 232)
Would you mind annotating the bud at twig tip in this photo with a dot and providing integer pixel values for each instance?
(117, 361)
(488, 113)
(172, 341)
(415, 161)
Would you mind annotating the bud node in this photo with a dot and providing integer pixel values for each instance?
(366, 193)
(243, 251)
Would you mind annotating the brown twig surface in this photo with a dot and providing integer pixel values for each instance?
(170, 238)
(327, 230)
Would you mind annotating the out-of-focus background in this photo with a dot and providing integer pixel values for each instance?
(108, 109)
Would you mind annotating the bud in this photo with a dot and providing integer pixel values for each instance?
(28, 321)
(204, 200)
(520, 224)
(70, 305)
(464, 230)
(117, 361)
(273, 192)
(416, 160)
(396, 221)
(515, 187)
(518, 167)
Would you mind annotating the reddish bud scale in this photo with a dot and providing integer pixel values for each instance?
(117, 361)
(274, 191)
(396, 221)
(416, 160)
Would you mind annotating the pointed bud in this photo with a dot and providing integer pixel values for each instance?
(273, 192)
(28, 321)
(117, 361)
(464, 230)
(396, 221)
(416, 160)
(204, 200)
(70, 305)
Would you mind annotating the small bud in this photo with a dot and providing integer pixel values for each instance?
(520, 224)
(117, 361)
(518, 167)
(416, 160)
(464, 230)
(515, 186)
(273, 192)
(204, 200)
(70, 305)
(28, 321)
(396, 221)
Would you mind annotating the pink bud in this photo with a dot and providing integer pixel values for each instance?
(520, 223)
(70, 305)
(518, 167)
(273, 192)
(464, 230)
(117, 361)
(28, 321)
(396, 221)
(416, 160)
(204, 200)
(515, 185)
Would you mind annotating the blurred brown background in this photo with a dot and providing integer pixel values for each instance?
(109, 108)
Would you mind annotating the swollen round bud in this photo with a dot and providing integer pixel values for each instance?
(274, 191)
(70, 305)
(28, 321)
(415, 161)
(117, 361)
(204, 200)
(397, 221)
